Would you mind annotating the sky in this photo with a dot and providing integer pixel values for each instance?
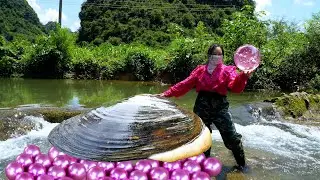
(297, 11)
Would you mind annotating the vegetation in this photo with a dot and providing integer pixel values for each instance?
(165, 40)
(18, 19)
(141, 21)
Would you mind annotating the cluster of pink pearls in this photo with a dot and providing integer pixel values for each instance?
(33, 165)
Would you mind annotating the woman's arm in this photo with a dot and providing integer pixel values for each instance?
(236, 82)
(184, 86)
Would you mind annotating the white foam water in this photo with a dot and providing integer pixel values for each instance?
(301, 142)
(14, 146)
(295, 142)
(298, 145)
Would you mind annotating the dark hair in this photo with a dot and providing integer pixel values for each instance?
(213, 47)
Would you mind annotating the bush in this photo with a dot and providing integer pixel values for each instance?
(116, 41)
(51, 57)
(262, 78)
(87, 69)
(8, 66)
(315, 83)
(141, 65)
(2, 41)
(46, 64)
(10, 63)
(186, 55)
(181, 65)
(297, 70)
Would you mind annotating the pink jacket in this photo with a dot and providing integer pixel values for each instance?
(223, 78)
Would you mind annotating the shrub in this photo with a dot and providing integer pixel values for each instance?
(8, 66)
(141, 65)
(186, 55)
(10, 63)
(87, 69)
(51, 57)
(315, 83)
(297, 70)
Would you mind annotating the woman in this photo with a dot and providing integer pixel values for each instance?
(212, 82)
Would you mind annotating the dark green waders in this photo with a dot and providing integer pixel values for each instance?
(213, 108)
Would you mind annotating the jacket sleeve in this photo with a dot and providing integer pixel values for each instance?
(184, 86)
(236, 82)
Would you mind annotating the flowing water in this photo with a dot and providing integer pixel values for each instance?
(275, 149)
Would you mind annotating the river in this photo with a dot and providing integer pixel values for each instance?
(274, 149)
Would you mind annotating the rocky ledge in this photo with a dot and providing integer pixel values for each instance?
(17, 122)
(300, 107)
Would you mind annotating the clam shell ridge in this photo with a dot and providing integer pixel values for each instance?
(132, 129)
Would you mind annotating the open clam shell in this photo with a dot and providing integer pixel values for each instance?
(139, 127)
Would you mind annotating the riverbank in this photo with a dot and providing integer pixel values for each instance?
(58, 56)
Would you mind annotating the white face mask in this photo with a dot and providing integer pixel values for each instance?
(213, 61)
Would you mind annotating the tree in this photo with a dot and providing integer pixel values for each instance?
(133, 20)
(17, 18)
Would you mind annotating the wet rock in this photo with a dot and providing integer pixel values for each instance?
(254, 113)
(300, 107)
(15, 122)
(14, 126)
(57, 115)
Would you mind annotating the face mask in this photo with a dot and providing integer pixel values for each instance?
(213, 61)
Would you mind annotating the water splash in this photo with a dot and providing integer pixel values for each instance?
(74, 103)
(12, 147)
(295, 146)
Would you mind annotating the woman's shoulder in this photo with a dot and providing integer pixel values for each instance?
(198, 70)
(200, 67)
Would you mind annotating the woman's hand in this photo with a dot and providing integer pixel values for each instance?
(160, 95)
(248, 73)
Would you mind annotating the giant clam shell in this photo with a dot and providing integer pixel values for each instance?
(132, 129)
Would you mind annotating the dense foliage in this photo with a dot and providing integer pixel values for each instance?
(155, 20)
(17, 18)
(168, 53)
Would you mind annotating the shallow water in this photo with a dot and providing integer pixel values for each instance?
(274, 149)
(35, 92)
